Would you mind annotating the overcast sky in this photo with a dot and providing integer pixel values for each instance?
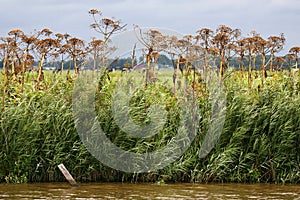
(267, 17)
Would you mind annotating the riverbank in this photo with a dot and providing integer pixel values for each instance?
(259, 143)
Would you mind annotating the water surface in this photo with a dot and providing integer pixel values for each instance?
(148, 191)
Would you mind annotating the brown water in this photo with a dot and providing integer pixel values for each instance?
(149, 191)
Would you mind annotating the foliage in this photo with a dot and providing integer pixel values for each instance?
(259, 141)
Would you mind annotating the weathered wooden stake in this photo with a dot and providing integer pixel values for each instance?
(67, 175)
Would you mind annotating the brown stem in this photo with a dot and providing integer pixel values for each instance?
(40, 69)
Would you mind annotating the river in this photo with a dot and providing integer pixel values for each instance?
(148, 191)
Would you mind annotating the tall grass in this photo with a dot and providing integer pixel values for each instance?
(260, 141)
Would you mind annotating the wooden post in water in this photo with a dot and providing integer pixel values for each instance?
(67, 175)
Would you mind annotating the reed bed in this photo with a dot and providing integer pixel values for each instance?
(259, 143)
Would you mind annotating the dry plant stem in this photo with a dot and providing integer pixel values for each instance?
(62, 63)
(94, 62)
(175, 77)
(75, 66)
(5, 82)
(148, 62)
(249, 75)
(23, 68)
(40, 69)
(221, 66)
(133, 56)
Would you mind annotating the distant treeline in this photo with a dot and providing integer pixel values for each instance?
(163, 62)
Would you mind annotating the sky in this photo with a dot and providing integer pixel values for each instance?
(267, 17)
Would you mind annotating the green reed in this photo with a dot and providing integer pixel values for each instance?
(260, 140)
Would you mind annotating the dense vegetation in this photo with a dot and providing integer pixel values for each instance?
(260, 140)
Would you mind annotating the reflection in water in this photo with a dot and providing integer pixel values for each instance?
(149, 191)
